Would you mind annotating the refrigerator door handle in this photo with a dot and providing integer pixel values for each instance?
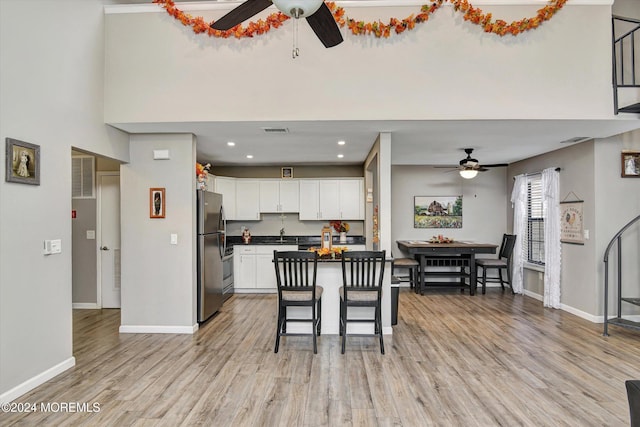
(223, 219)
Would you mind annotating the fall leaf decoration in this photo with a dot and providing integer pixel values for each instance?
(379, 28)
(202, 171)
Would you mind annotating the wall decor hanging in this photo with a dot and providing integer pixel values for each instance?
(23, 162)
(156, 203)
(437, 212)
(376, 28)
(571, 220)
(630, 164)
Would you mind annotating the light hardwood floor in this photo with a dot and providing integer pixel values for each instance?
(453, 360)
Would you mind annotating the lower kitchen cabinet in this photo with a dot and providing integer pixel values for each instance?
(253, 267)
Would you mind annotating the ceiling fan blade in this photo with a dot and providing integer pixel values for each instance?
(241, 13)
(497, 165)
(325, 26)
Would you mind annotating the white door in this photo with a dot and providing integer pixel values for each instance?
(109, 239)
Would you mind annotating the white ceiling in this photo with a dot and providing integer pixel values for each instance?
(413, 142)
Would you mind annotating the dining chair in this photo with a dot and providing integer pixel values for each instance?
(502, 262)
(296, 280)
(362, 276)
(633, 395)
(410, 264)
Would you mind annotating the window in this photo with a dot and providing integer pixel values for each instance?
(534, 240)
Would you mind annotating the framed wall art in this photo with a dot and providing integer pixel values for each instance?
(156, 203)
(23, 162)
(287, 172)
(571, 225)
(437, 212)
(630, 164)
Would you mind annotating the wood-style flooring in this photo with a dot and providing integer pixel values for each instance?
(453, 360)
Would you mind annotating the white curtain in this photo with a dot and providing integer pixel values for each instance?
(519, 200)
(552, 248)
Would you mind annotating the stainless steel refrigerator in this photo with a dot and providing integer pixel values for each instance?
(211, 237)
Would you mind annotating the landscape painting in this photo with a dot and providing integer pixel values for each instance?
(437, 212)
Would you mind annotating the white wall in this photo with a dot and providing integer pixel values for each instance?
(158, 279)
(484, 203)
(51, 95)
(160, 71)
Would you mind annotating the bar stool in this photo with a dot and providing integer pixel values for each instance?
(412, 265)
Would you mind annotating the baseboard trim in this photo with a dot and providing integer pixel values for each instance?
(582, 314)
(85, 306)
(39, 379)
(154, 329)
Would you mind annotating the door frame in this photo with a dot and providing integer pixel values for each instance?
(99, 175)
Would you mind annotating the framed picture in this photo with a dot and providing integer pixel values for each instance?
(630, 164)
(23, 162)
(571, 225)
(156, 203)
(437, 212)
(287, 172)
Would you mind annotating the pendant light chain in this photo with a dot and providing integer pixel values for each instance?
(295, 52)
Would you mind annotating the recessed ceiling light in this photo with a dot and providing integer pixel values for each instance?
(340, 156)
(231, 144)
(249, 156)
(341, 142)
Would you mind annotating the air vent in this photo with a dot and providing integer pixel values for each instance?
(275, 130)
(576, 139)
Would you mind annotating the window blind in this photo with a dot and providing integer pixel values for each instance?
(534, 241)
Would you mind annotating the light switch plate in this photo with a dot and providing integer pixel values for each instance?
(174, 239)
(586, 234)
(91, 234)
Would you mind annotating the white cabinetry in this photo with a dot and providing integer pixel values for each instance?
(253, 267)
(247, 200)
(351, 199)
(227, 187)
(331, 199)
(244, 267)
(309, 199)
(279, 196)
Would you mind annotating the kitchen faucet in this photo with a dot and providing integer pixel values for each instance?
(281, 234)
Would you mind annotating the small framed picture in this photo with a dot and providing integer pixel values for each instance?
(23, 162)
(287, 172)
(156, 203)
(630, 164)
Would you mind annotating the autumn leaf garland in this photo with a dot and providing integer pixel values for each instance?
(378, 28)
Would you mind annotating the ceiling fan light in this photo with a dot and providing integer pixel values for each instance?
(468, 173)
(298, 8)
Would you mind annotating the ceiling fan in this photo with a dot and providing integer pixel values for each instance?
(316, 12)
(469, 167)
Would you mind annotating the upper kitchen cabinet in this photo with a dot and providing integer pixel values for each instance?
(227, 187)
(279, 196)
(329, 199)
(247, 200)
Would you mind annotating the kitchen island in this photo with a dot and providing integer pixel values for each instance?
(329, 276)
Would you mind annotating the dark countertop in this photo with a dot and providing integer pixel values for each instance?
(304, 242)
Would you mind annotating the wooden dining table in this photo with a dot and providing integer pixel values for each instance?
(456, 258)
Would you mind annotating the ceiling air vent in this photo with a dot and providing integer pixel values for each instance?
(275, 130)
(576, 139)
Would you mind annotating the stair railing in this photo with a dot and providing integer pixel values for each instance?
(617, 239)
(621, 55)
